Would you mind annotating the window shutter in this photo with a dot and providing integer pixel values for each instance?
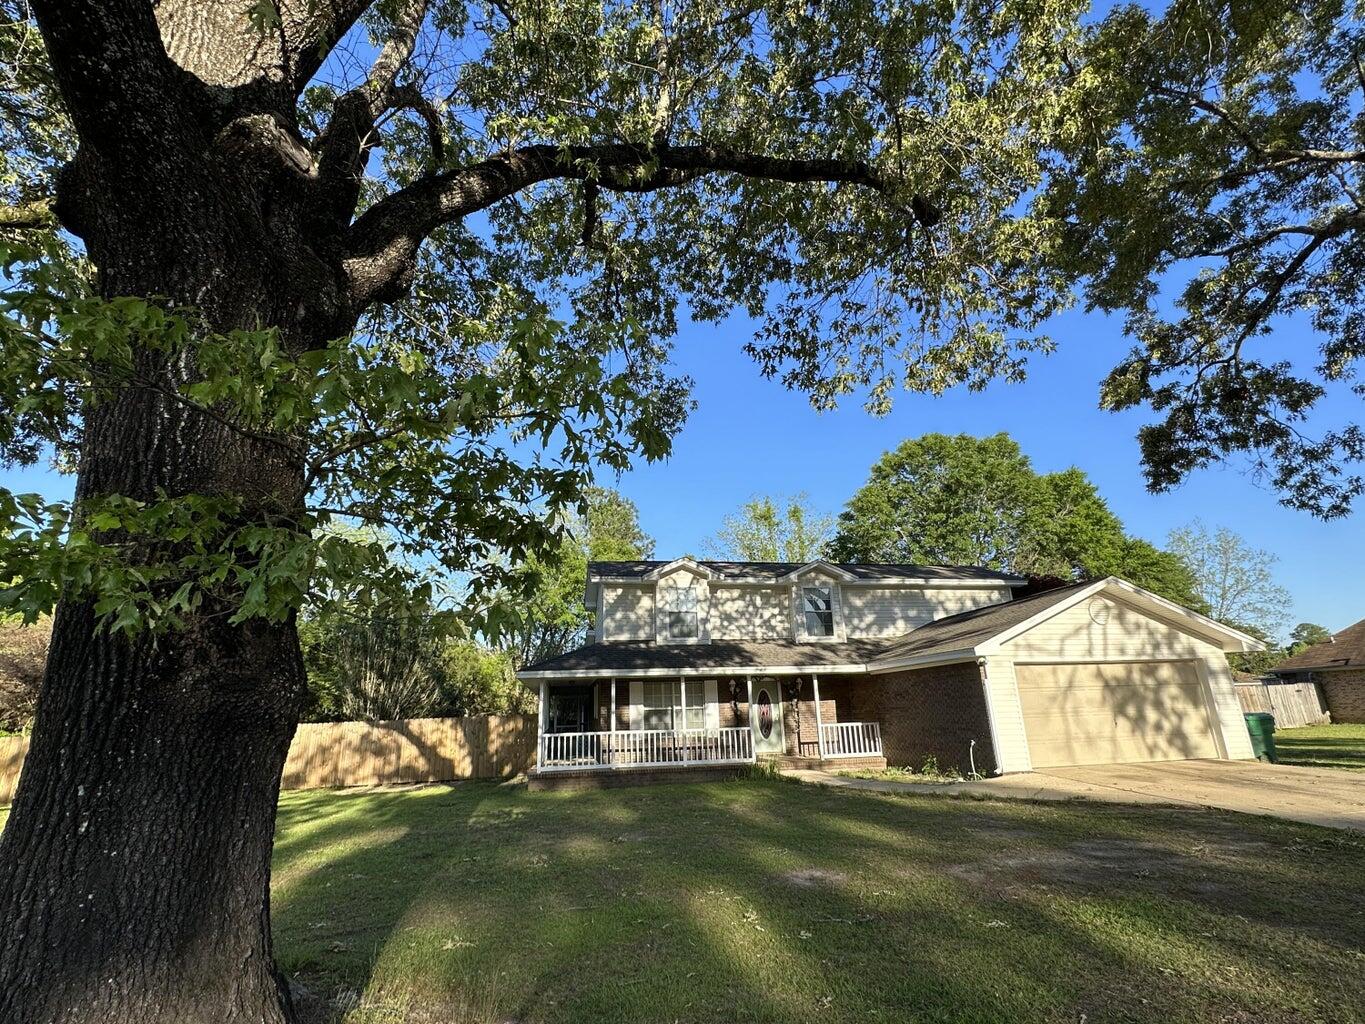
(712, 716)
(637, 704)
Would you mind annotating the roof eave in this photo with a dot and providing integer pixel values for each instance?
(1233, 641)
(960, 654)
(550, 675)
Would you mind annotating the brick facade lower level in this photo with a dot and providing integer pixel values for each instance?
(1344, 692)
(929, 712)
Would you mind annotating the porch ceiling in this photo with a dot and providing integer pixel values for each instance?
(643, 657)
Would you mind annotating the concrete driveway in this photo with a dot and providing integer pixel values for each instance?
(1313, 795)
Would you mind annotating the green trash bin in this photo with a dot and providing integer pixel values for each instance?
(1261, 726)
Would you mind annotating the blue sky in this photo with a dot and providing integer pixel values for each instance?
(751, 436)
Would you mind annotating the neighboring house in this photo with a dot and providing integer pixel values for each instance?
(700, 664)
(1338, 667)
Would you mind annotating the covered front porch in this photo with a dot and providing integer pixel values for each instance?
(654, 722)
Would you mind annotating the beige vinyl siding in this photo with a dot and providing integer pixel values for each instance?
(747, 613)
(627, 613)
(1007, 718)
(1129, 635)
(1227, 709)
(892, 611)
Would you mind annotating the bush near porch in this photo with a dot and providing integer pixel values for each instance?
(768, 901)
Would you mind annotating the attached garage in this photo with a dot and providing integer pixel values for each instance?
(1093, 673)
(1114, 712)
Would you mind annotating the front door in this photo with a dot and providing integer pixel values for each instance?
(765, 718)
(570, 709)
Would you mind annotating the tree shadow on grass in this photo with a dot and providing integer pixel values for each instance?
(761, 901)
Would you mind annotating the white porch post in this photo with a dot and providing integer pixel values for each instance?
(544, 716)
(682, 697)
(611, 711)
(819, 724)
(749, 684)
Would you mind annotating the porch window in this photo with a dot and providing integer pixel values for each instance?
(680, 609)
(818, 603)
(663, 706)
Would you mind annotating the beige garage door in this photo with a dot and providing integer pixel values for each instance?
(1114, 712)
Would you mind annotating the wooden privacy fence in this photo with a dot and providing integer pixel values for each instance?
(363, 754)
(1291, 703)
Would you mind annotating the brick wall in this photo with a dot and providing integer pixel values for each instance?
(1344, 692)
(927, 712)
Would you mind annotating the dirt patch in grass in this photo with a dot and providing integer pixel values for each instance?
(810, 878)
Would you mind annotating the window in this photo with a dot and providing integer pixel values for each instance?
(680, 612)
(818, 604)
(663, 706)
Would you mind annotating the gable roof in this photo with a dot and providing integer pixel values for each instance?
(966, 630)
(774, 572)
(1345, 650)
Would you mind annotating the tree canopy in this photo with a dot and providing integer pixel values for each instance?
(1208, 186)
(1236, 580)
(1307, 634)
(771, 529)
(964, 500)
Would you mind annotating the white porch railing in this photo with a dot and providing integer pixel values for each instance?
(567, 751)
(852, 739)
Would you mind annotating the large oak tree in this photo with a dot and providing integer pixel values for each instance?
(408, 263)
(414, 263)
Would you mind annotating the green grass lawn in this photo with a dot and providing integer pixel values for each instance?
(771, 901)
(1323, 746)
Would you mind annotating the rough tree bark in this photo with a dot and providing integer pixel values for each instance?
(135, 866)
(134, 871)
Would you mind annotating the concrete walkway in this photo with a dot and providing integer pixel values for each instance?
(1316, 796)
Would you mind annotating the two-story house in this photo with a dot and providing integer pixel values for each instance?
(708, 665)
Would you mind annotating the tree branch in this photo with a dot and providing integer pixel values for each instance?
(345, 146)
(382, 243)
(36, 213)
(312, 29)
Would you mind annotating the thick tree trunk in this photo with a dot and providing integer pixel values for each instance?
(135, 867)
(135, 864)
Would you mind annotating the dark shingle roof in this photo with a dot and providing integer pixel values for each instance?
(776, 570)
(967, 629)
(1345, 650)
(637, 655)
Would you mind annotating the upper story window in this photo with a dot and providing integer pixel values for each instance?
(680, 612)
(818, 606)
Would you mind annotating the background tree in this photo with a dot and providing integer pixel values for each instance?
(1306, 635)
(1230, 133)
(550, 617)
(23, 653)
(936, 499)
(771, 529)
(612, 527)
(1236, 581)
(966, 500)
